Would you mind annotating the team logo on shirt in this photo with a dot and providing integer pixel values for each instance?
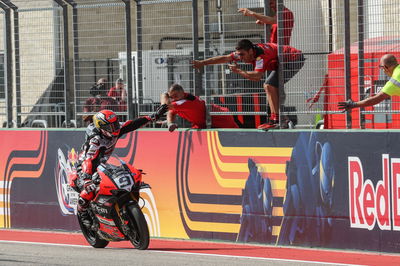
(259, 63)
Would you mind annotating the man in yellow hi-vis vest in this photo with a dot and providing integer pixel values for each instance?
(391, 68)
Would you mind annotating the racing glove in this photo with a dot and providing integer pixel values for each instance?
(172, 126)
(162, 109)
(347, 105)
(89, 186)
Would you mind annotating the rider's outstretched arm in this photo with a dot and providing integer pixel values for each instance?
(132, 125)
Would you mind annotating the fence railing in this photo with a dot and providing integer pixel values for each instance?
(54, 52)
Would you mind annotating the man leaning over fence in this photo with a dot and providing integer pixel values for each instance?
(391, 67)
(263, 57)
(193, 109)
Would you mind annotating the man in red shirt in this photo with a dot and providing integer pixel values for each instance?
(98, 101)
(288, 22)
(193, 109)
(263, 57)
(118, 93)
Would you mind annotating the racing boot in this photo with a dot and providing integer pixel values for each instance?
(83, 212)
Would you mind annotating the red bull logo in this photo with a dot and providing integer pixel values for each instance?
(72, 156)
(371, 205)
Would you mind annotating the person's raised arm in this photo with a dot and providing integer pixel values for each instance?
(261, 19)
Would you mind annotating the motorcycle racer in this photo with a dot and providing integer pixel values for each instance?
(100, 140)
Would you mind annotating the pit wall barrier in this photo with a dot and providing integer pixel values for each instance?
(335, 189)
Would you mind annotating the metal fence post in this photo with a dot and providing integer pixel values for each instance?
(67, 84)
(139, 49)
(361, 65)
(132, 112)
(17, 60)
(8, 68)
(281, 88)
(330, 22)
(195, 36)
(207, 54)
(347, 62)
(76, 50)
(267, 27)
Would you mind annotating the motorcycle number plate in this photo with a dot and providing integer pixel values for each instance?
(124, 181)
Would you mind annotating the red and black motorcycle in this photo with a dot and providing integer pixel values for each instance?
(115, 211)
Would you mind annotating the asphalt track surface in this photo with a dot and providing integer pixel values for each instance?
(19, 247)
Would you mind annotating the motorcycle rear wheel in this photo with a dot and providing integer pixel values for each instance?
(91, 236)
(140, 237)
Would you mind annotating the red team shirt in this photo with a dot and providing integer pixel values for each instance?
(267, 58)
(195, 112)
(288, 22)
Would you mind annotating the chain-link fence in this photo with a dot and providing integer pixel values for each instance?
(123, 54)
(3, 85)
(40, 99)
(313, 34)
(98, 39)
(353, 64)
(165, 49)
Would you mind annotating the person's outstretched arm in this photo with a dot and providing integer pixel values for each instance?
(198, 64)
(261, 19)
(370, 101)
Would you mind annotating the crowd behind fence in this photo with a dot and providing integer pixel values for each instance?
(55, 54)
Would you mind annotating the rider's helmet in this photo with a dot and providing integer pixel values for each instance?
(107, 122)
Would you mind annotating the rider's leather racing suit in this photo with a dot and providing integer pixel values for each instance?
(97, 149)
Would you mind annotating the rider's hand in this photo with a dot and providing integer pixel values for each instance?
(89, 186)
(172, 126)
(162, 109)
(347, 105)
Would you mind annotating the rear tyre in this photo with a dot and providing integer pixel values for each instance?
(139, 235)
(91, 236)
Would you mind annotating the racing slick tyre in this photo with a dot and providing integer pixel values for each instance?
(139, 236)
(91, 236)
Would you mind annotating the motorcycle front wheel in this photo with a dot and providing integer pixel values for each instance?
(91, 236)
(139, 235)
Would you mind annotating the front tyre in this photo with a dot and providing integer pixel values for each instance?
(91, 236)
(139, 235)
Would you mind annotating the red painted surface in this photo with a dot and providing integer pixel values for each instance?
(189, 246)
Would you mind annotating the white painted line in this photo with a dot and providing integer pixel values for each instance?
(256, 258)
(42, 243)
(189, 253)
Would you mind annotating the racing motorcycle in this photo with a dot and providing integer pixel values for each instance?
(115, 212)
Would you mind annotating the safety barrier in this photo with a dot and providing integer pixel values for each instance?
(298, 188)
